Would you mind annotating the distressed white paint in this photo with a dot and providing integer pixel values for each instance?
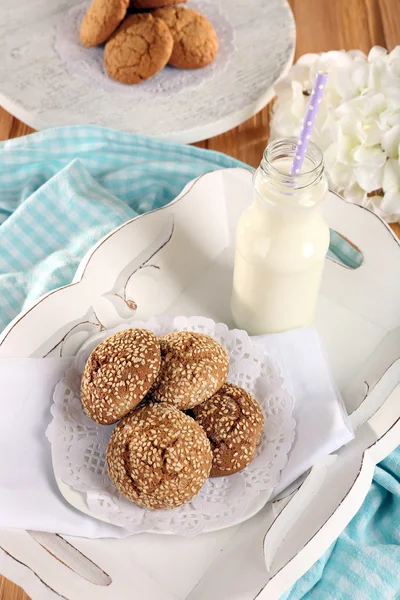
(359, 320)
(38, 89)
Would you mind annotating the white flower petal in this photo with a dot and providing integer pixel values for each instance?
(355, 194)
(307, 59)
(387, 206)
(374, 76)
(285, 127)
(374, 104)
(353, 107)
(390, 205)
(351, 126)
(360, 76)
(299, 102)
(391, 118)
(376, 52)
(357, 55)
(391, 174)
(372, 133)
(345, 147)
(327, 131)
(343, 83)
(395, 53)
(374, 204)
(341, 175)
(395, 65)
(391, 141)
(298, 73)
(392, 93)
(369, 179)
(330, 156)
(369, 157)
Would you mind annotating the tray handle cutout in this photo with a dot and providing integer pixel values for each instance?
(344, 252)
(72, 558)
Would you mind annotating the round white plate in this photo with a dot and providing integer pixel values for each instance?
(37, 87)
(77, 500)
(79, 445)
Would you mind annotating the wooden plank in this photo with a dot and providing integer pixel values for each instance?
(389, 11)
(323, 25)
(10, 591)
(6, 122)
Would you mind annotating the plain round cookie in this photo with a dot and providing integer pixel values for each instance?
(193, 367)
(119, 373)
(233, 422)
(158, 457)
(101, 20)
(195, 40)
(139, 49)
(151, 4)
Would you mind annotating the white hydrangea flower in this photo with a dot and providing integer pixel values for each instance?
(358, 123)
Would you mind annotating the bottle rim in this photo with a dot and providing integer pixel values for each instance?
(286, 148)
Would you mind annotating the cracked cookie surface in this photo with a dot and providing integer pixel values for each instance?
(158, 457)
(139, 49)
(195, 39)
(150, 4)
(233, 422)
(118, 374)
(193, 367)
(101, 20)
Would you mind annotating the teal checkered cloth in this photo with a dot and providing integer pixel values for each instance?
(364, 562)
(61, 190)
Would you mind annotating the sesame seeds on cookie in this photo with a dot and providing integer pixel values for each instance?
(193, 367)
(158, 457)
(233, 422)
(119, 373)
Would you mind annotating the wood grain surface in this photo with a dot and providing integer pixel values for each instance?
(321, 25)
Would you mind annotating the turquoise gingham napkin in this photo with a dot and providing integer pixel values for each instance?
(61, 190)
(364, 562)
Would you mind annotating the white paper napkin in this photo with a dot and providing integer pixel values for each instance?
(322, 424)
(29, 496)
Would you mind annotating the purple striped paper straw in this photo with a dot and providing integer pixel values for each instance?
(308, 123)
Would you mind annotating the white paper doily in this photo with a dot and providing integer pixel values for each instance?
(79, 444)
(88, 63)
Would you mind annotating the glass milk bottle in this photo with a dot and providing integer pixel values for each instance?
(281, 243)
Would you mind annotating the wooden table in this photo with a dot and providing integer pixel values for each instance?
(321, 25)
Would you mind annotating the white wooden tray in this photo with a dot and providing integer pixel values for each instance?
(37, 88)
(190, 242)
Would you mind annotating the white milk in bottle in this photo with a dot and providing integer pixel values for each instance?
(281, 243)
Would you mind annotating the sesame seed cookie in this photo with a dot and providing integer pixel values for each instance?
(139, 49)
(195, 39)
(119, 373)
(158, 457)
(101, 19)
(150, 4)
(233, 422)
(193, 368)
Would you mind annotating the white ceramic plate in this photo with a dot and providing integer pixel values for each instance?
(77, 500)
(38, 89)
(358, 318)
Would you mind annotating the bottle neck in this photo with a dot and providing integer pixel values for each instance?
(279, 190)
